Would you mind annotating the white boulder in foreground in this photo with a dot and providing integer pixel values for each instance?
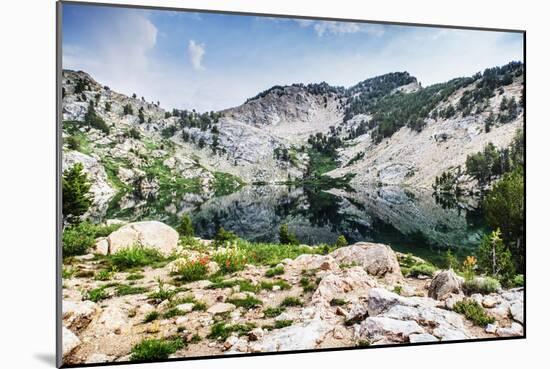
(151, 234)
(378, 260)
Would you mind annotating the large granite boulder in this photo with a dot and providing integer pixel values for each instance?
(444, 284)
(378, 260)
(151, 234)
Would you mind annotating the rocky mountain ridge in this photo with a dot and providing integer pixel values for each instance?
(387, 130)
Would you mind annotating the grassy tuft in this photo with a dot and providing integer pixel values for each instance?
(292, 301)
(96, 294)
(248, 302)
(272, 312)
(221, 331)
(156, 349)
(275, 271)
(474, 312)
(136, 256)
(152, 315)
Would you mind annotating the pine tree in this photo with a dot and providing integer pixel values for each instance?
(77, 198)
(341, 241)
(286, 237)
(494, 257)
(185, 228)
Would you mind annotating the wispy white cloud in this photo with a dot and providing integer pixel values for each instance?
(340, 28)
(117, 51)
(196, 53)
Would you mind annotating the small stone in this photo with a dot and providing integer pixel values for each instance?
(220, 308)
(489, 302)
(338, 333)
(181, 320)
(186, 308)
(255, 334)
(229, 342)
(491, 328)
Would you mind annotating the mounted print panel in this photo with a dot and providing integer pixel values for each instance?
(244, 184)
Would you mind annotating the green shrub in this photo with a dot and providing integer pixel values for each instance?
(104, 275)
(135, 256)
(152, 315)
(96, 294)
(185, 228)
(79, 238)
(248, 302)
(221, 331)
(282, 323)
(518, 280)
(68, 273)
(268, 285)
(275, 271)
(134, 276)
(292, 301)
(286, 237)
(272, 312)
(162, 293)
(77, 197)
(231, 259)
(419, 269)
(222, 237)
(495, 258)
(474, 312)
(156, 349)
(341, 241)
(483, 285)
(307, 285)
(172, 313)
(192, 270)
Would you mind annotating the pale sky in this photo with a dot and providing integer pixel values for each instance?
(216, 61)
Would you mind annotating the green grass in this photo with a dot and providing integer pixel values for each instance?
(272, 312)
(104, 275)
(162, 293)
(307, 284)
(156, 349)
(268, 285)
(124, 289)
(68, 273)
(474, 312)
(96, 294)
(152, 315)
(419, 269)
(282, 323)
(191, 270)
(172, 313)
(134, 276)
(221, 331)
(246, 286)
(275, 271)
(79, 238)
(248, 302)
(483, 285)
(136, 256)
(292, 301)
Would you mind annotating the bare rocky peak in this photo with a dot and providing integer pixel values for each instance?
(286, 104)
